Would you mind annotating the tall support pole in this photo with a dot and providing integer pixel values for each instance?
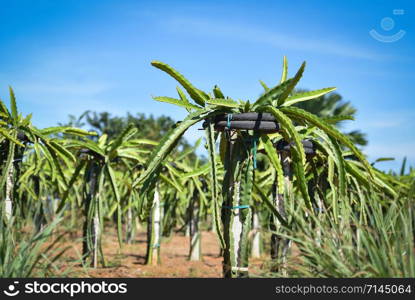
(96, 234)
(129, 225)
(14, 159)
(154, 231)
(280, 245)
(256, 239)
(195, 236)
(8, 203)
(91, 226)
(236, 212)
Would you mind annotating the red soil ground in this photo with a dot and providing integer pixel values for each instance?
(129, 261)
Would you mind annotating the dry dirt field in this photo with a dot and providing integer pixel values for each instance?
(129, 261)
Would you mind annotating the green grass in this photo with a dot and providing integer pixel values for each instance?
(369, 240)
(25, 254)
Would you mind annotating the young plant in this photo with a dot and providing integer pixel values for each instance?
(97, 162)
(17, 136)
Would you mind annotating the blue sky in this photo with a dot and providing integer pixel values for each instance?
(65, 56)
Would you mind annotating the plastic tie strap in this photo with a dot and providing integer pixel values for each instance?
(254, 150)
(240, 269)
(236, 207)
(228, 123)
(236, 268)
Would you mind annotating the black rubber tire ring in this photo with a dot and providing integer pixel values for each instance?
(250, 116)
(263, 126)
(307, 145)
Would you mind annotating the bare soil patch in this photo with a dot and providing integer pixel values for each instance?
(129, 261)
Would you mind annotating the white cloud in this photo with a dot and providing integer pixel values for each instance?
(259, 35)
